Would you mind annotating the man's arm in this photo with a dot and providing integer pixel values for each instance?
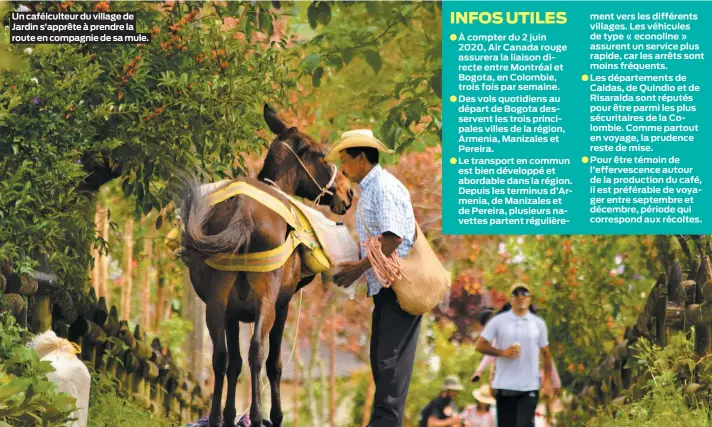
(434, 422)
(484, 347)
(547, 380)
(351, 271)
(389, 243)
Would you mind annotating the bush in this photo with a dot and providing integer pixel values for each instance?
(108, 409)
(76, 117)
(664, 403)
(27, 397)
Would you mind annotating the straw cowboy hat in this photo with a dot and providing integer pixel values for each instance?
(483, 395)
(356, 138)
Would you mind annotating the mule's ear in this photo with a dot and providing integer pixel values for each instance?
(274, 123)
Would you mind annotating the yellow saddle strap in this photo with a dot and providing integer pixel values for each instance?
(241, 187)
(261, 262)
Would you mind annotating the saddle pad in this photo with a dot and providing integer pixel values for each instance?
(335, 239)
(314, 259)
(241, 187)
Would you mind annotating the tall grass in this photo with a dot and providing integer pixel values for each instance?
(109, 409)
(664, 403)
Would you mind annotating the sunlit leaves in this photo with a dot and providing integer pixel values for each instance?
(386, 55)
(81, 115)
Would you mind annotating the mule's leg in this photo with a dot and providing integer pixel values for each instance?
(220, 284)
(274, 364)
(234, 367)
(266, 286)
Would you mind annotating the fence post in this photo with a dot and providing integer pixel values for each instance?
(101, 316)
(701, 314)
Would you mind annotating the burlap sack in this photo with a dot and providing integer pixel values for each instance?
(429, 280)
(424, 280)
(71, 375)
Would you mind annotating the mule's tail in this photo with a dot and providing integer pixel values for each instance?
(196, 213)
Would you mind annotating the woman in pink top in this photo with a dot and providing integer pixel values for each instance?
(480, 415)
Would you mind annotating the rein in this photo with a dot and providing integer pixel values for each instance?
(323, 190)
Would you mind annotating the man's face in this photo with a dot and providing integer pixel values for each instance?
(521, 299)
(352, 168)
(452, 394)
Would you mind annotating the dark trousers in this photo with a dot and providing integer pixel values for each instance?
(516, 411)
(394, 337)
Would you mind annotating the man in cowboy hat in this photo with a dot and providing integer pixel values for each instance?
(521, 340)
(384, 209)
(441, 411)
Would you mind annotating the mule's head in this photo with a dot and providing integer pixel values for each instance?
(295, 162)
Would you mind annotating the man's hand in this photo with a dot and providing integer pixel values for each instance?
(455, 421)
(348, 273)
(510, 352)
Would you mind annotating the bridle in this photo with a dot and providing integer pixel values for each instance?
(322, 190)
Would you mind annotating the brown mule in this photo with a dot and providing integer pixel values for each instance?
(295, 163)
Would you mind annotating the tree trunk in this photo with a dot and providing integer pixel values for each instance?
(309, 379)
(194, 310)
(95, 272)
(104, 259)
(297, 370)
(128, 272)
(199, 337)
(368, 404)
(332, 372)
(170, 290)
(161, 294)
(146, 290)
(323, 379)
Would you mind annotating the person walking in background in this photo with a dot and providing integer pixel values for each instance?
(480, 415)
(521, 341)
(384, 209)
(489, 361)
(441, 411)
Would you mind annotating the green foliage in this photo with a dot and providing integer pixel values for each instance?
(8, 61)
(387, 57)
(664, 402)
(27, 397)
(172, 334)
(359, 397)
(108, 409)
(79, 116)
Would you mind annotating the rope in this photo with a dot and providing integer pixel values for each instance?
(387, 269)
(324, 189)
(296, 333)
